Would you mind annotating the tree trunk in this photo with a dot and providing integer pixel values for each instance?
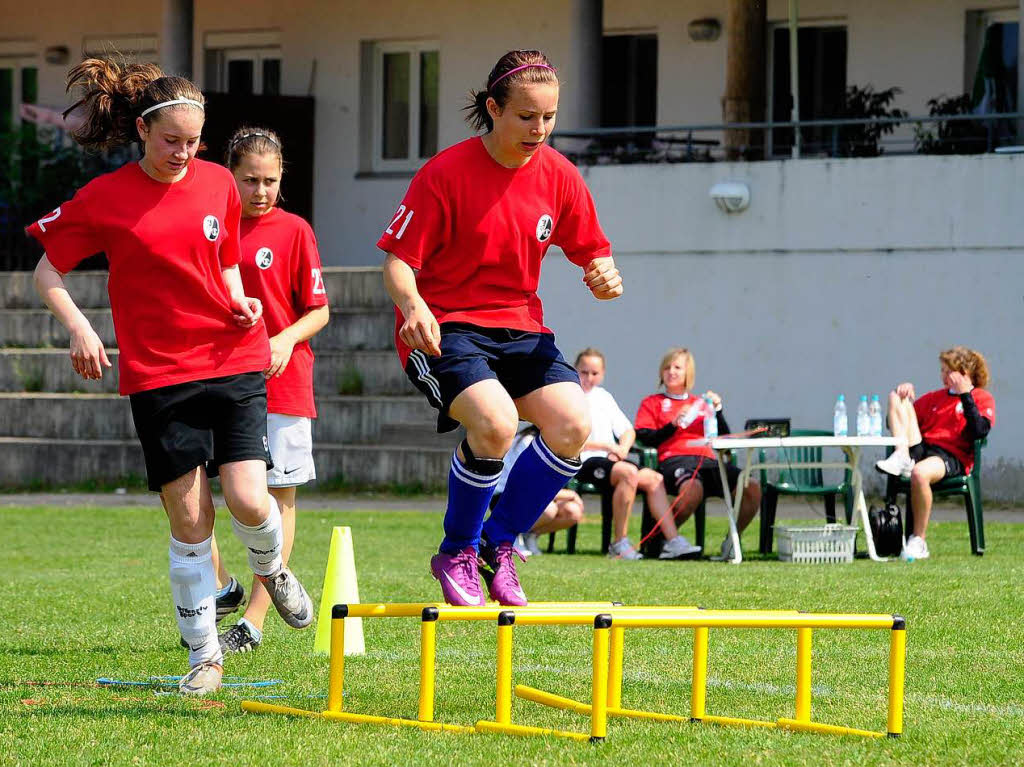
(745, 74)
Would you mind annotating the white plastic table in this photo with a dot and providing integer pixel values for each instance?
(851, 447)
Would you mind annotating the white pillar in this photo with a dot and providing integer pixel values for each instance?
(586, 29)
(176, 37)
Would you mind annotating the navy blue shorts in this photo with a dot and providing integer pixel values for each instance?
(520, 361)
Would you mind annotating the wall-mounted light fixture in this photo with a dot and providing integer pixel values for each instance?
(57, 54)
(731, 196)
(704, 30)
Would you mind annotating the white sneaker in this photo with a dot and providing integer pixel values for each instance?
(623, 550)
(678, 547)
(914, 548)
(897, 464)
(531, 544)
(520, 546)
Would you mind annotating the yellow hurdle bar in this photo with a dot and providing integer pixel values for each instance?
(732, 721)
(803, 675)
(699, 689)
(428, 663)
(599, 680)
(557, 701)
(897, 666)
(520, 729)
(336, 675)
(503, 698)
(754, 619)
(616, 650)
(827, 729)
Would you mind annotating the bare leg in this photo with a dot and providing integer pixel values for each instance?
(184, 501)
(560, 411)
(689, 496)
(749, 506)
(653, 485)
(562, 513)
(624, 479)
(925, 474)
(489, 417)
(903, 422)
(259, 599)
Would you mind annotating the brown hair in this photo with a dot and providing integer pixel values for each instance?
(590, 351)
(536, 68)
(967, 361)
(671, 354)
(114, 92)
(250, 140)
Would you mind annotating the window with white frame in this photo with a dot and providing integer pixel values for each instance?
(404, 84)
(19, 80)
(991, 60)
(244, 63)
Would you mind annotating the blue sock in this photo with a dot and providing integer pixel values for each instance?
(469, 493)
(223, 591)
(533, 482)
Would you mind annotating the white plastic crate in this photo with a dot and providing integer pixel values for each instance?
(831, 543)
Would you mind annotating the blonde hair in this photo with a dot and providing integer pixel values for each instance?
(967, 361)
(115, 91)
(590, 351)
(671, 354)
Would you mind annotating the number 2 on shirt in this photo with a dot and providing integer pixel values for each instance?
(318, 283)
(408, 217)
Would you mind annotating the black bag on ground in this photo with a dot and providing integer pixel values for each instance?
(887, 530)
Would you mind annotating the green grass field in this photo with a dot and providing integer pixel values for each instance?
(86, 596)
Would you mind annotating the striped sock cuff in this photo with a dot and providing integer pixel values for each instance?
(472, 478)
(565, 466)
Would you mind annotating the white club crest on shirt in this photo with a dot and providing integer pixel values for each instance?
(544, 226)
(211, 228)
(264, 258)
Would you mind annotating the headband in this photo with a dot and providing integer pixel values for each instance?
(255, 134)
(172, 102)
(518, 69)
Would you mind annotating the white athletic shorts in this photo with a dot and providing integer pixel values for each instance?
(291, 447)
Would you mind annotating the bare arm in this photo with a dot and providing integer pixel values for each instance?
(304, 328)
(247, 310)
(420, 329)
(88, 357)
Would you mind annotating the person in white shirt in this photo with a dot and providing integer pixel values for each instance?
(605, 465)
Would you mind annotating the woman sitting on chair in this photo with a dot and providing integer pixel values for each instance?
(940, 428)
(669, 422)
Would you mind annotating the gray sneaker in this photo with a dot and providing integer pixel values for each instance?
(290, 599)
(677, 548)
(202, 679)
(623, 550)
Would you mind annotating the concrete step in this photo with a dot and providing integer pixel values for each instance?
(347, 373)
(347, 286)
(34, 462)
(345, 420)
(349, 329)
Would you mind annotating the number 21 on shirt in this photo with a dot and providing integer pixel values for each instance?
(408, 217)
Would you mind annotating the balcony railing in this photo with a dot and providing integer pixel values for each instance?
(752, 141)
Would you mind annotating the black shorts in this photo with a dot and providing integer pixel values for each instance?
(679, 469)
(520, 361)
(923, 450)
(598, 472)
(209, 422)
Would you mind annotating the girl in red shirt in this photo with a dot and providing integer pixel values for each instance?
(940, 428)
(669, 422)
(464, 254)
(280, 266)
(192, 347)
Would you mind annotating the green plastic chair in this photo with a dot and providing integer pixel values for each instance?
(798, 481)
(968, 486)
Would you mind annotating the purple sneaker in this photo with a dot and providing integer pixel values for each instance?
(460, 579)
(503, 580)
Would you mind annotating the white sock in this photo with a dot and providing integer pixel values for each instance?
(263, 542)
(193, 585)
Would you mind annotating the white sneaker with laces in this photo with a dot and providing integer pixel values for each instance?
(678, 547)
(623, 550)
(914, 548)
(897, 464)
(532, 544)
(520, 545)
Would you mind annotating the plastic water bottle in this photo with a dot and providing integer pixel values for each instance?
(863, 418)
(839, 421)
(710, 419)
(875, 415)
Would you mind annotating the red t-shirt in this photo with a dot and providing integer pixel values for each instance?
(658, 410)
(167, 245)
(477, 233)
(941, 418)
(281, 267)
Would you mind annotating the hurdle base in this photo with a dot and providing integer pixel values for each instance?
(485, 725)
(256, 707)
(734, 721)
(828, 729)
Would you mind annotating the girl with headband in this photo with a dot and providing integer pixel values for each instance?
(281, 266)
(464, 251)
(192, 346)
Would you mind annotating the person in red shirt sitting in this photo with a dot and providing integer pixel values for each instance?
(940, 428)
(192, 347)
(280, 266)
(669, 422)
(464, 252)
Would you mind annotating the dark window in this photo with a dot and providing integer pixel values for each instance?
(822, 66)
(429, 75)
(6, 98)
(271, 77)
(240, 76)
(395, 138)
(995, 84)
(629, 80)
